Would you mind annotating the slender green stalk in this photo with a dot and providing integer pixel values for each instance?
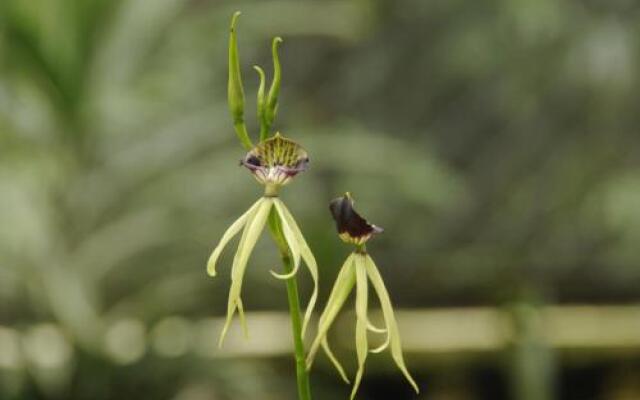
(304, 389)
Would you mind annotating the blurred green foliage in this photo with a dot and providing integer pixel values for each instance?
(496, 142)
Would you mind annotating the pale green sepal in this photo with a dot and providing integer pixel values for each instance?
(362, 345)
(309, 260)
(390, 320)
(231, 301)
(248, 241)
(233, 230)
(374, 328)
(341, 289)
(383, 346)
(334, 360)
(289, 275)
(243, 319)
(292, 241)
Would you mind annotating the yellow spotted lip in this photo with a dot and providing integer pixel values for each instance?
(276, 161)
(352, 228)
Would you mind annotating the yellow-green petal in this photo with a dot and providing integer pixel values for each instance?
(334, 360)
(250, 236)
(339, 293)
(383, 346)
(243, 319)
(308, 258)
(362, 345)
(232, 231)
(232, 302)
(291, 238)
(390, 319)
(375, 329)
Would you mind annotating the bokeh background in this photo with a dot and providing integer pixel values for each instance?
(496, 142)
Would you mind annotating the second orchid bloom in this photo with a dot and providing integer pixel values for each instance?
(358, 270)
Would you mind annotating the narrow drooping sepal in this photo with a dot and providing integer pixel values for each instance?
(235, 91)
(352, 228)
(243, 319)
(307, 257)
(250, 235)
(339, 293)
(334, 360)
(389, 318)
(233, 301)
(233, 230)
(362, 344)
(292, 241)
(358, 270)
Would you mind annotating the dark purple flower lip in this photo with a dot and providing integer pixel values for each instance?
(276, 160)
(352, 228)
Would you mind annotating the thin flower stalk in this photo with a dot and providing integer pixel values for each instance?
(274, 162)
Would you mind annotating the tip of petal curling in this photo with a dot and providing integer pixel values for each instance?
(283, 277)
(412, 382)
(211, 270)
(416, 389)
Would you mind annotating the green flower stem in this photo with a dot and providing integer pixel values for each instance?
(304, 389)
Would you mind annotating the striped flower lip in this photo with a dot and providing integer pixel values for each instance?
(352, 228)
(276, 161)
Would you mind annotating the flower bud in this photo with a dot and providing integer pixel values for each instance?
(235, 94)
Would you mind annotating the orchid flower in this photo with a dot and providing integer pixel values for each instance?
(358, 270)
(274, 162)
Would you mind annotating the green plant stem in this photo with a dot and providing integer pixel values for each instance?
(302, 375)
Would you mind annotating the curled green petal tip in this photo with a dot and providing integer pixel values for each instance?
(274, 90)
(375, 329)
(234, 18)
(284, 277)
